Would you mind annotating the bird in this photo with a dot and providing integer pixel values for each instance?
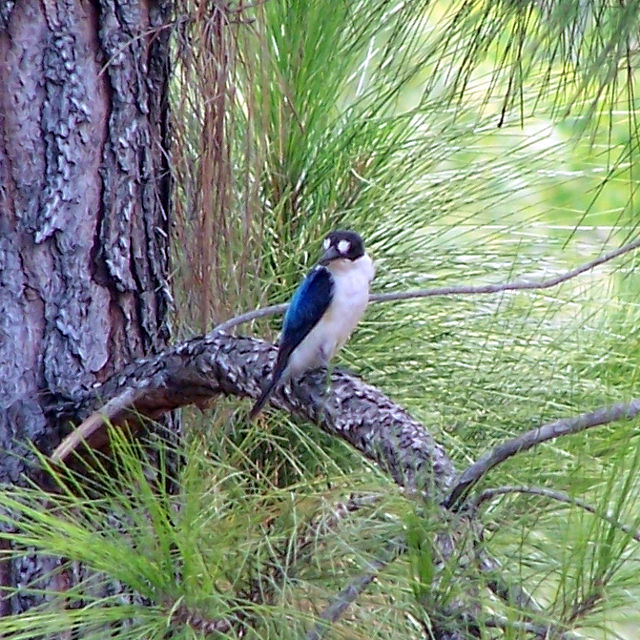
(323, 311)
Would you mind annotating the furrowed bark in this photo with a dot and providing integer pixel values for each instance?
(202, 368)
(84, 193)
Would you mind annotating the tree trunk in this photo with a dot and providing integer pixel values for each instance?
(84, 200)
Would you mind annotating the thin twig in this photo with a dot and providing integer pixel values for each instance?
(560, 496)
(273, 310)
(523, 442)
(350, 593)
(517, 285)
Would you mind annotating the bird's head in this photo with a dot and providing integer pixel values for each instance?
(341, 245)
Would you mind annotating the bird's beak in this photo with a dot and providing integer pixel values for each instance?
(330, 254)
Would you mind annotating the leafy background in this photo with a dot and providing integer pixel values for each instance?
(468, 142)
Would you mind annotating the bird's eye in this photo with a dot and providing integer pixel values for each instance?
(326, 244)
(344, 246)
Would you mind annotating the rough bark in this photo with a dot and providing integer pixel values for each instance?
(200, 369)
(84, 193)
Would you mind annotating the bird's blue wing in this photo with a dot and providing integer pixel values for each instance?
(308, 304)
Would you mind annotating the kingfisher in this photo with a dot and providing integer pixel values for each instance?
(323, 311)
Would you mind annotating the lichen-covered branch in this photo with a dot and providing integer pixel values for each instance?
(197, 371)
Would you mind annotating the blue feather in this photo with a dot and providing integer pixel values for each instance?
(308, 304)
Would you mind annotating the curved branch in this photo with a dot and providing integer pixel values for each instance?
(517, 285)
(264, 312)
(199, 370)
(523, 442)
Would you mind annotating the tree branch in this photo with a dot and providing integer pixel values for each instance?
(172, 379)
(396, 296)
(517, 285)
(203, 368)
(525, 441)
(264, 312)
(199, 370)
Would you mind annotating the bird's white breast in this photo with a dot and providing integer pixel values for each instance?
(350, 297)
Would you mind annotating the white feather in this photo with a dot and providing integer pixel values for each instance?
(350, 298)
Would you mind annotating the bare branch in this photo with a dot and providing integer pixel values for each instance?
(523, 442)
(128, 407)
(560, 496)
(184, 386)
(517, 285)
(264, 312)
(199, 370)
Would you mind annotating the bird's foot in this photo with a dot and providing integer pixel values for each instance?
(326, 409)
(320, 393)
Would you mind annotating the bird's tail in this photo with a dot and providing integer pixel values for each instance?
(265, 395)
